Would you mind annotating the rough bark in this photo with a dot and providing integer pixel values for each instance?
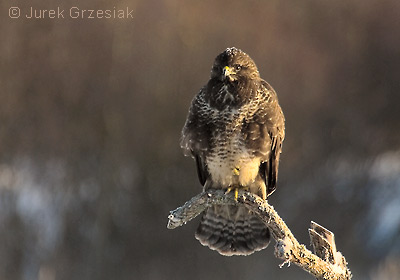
(324, 263)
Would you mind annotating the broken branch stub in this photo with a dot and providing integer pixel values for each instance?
(326, 263)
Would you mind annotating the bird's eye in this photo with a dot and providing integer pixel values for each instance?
(238, 67)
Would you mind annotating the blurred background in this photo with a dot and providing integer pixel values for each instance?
(91, 112)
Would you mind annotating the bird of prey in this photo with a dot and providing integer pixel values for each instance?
(234, 131)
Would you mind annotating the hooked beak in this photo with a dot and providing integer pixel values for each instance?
(227, 72)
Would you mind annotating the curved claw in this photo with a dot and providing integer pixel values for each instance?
(235, 189)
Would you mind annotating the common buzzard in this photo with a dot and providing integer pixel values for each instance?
(234, 131)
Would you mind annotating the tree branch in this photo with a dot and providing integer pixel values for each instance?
(326, 263)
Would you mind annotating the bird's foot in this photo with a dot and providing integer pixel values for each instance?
(235, 189)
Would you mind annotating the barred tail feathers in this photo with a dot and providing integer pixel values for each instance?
(232, 230)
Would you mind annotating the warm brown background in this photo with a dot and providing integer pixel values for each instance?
(90, 119)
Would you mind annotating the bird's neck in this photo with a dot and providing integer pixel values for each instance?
(224, 94)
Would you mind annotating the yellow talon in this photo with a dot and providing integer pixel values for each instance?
(228, 190)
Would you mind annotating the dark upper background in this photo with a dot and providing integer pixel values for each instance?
(91, 112)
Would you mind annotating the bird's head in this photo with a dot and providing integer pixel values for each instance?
(234, 65)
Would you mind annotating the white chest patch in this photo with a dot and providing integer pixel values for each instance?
(230, 164)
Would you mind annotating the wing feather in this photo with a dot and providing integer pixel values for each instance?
(265, 133)
(196, 134)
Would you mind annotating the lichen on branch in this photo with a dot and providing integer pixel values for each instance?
(326, 263)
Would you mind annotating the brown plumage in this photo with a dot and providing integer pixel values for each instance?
(234, 130)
